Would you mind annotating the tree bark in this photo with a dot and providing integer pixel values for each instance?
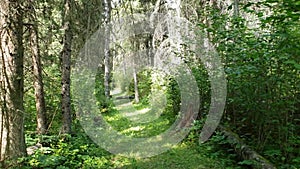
(236, 8)
(66, 69)
(37, 73)
(12, 142)
(107, 57)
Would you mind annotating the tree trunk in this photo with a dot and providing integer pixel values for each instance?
(236, 8)
(66, 69)
(12, 142)
(136, 89)
(107, 57)
(136, 48)
(37, 72)
(149, 48)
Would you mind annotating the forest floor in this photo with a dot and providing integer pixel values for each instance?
(137, 120)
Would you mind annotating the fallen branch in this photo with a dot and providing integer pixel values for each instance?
(244, 151)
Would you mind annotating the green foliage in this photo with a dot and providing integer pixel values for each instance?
(102, 102)
(246, 162)
(52, 89)
(76, 151)
(144, 85)
(202, 79)
(262, 67)
(173, 96)
(219, 148)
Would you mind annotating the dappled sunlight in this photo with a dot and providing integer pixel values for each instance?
(124, 105)
(137, 120)
(144, 115)
(131, 131)
(116, 92)
(179, 157)
(137, 112)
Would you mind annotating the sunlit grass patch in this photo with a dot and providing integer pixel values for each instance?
(129, 128)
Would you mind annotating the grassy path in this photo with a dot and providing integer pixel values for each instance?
(139, 121)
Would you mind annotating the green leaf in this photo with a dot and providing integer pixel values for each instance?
(246, 162)
(294, 63)
(272, 152)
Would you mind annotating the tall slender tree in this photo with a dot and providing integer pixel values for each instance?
(107, 57)
(12, 142)
(136, 89)
(66, 68)
(136, 48)
(37, 72)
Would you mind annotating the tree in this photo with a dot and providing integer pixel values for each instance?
(11, 81)
(37, 73)
(66, 68)
(107, 57)
(136, 89)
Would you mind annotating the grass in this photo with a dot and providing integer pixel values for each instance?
(79, 151)
(130, 128)
(186, 155)
(180, 157)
